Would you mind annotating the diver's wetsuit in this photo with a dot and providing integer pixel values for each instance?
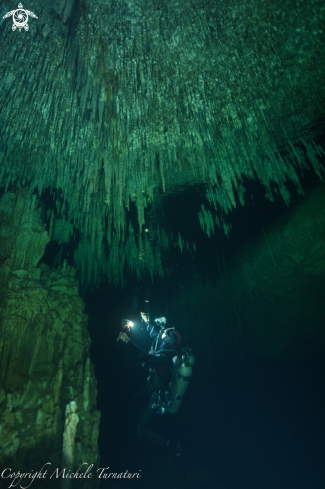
(164, 366)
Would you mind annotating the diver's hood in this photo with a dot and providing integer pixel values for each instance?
(171, 340)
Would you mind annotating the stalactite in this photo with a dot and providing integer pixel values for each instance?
(107, 111)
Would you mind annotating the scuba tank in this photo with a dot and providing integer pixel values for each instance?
(180, 379)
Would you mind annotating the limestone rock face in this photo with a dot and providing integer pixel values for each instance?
(280, 279)
(269, 297)
(45, 372)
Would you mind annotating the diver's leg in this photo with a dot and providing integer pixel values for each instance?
(144, 427)
(150, 436)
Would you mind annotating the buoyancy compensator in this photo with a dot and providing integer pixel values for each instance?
(180, 379)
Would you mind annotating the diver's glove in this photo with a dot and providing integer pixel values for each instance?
(123, 337)
(144, 317)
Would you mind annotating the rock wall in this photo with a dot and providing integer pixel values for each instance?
(269, 297)
(47, 384)
(280, 282)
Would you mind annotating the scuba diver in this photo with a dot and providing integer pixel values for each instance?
(170, 370)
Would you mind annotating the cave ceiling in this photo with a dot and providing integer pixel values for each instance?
(107, 105)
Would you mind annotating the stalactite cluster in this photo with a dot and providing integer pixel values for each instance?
(137, 254)
(107, 101)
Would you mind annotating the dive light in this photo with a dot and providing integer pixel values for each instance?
(126, 325)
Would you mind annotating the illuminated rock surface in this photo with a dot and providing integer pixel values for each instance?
(44, 351)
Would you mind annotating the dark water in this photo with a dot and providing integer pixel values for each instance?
(249, 425)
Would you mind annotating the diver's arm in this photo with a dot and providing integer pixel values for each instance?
(136, 350)
(152, 360)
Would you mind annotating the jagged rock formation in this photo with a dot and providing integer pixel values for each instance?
(269, 298)
(44, 348)
(109, 101)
